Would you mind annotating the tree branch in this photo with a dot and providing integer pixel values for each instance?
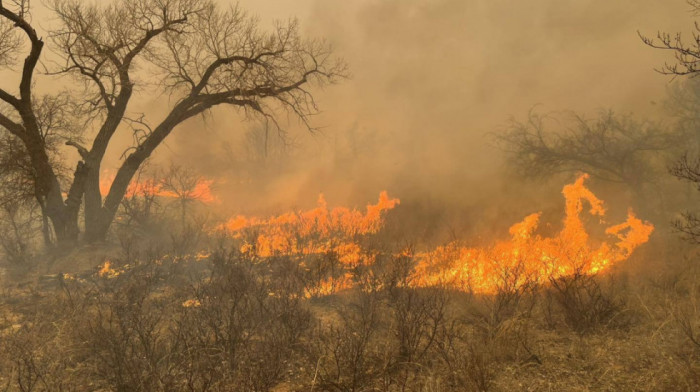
(13, 127)
(10, 99)
(81, 150)
(33, 57)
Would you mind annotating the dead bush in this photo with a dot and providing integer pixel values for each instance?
(240, 332)
(38, 354)
(351, 352)
(514, 298)
(585, 304)
(417, 318)
(121, 329)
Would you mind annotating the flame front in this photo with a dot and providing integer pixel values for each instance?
(318, 230)
(525, 258)
(530, 258)
(200, 191)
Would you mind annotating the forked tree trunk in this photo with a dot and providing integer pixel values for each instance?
(98, 220)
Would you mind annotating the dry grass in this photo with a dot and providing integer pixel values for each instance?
(247, 327)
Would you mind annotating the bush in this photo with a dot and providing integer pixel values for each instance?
(585, 304)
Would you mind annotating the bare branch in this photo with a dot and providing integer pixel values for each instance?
(10, 43)
(9, 98)
(13, 127)
(32, 59)
(611, 148)
(81, 150)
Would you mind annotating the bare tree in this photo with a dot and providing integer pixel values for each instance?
(686, 52)
(611, 148)
(19, 113)
(185, 186)
(684, 105)
(17, 172)
(688, 169)
(197, 53)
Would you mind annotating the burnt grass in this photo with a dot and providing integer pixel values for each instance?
(227, 322)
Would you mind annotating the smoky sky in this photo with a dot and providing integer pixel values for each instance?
(430, 81)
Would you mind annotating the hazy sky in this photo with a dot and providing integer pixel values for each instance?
(430, 80)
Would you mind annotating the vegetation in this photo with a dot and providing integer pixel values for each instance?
(158, 294)
(683, 103)
(203, 56)
(229, 323)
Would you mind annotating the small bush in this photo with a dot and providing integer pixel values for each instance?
(585, 304)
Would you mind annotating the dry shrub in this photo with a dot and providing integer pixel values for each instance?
(146, 330)
(244, 329)
(687, 353)
(317, 269)
(348, 353)
(120, 330)
(683, 307)
(514, 299)
(585, 304)
(35, 353)
(417, 318)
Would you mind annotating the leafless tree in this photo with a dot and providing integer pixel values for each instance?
(686, 52)
(198, 54)
(611, 148)
(184, 185)
(686, 63)
(19, 191)
(688, 169)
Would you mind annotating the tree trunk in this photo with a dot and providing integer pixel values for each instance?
(99, 220)
(45, 225)
(94, 214)
(97, 226)
(48, 190)
(65, 228)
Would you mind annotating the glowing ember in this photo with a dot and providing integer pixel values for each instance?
(528, 257)
(106, 271)
(191, 303)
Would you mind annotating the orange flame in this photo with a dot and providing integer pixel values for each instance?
(528, 257)
(201, 191)
(314, 231)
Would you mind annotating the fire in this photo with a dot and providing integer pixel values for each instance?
(319, 231)
(200, 191)
(526, 258)
(106, 271)
(530, 258)
(315, 231)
